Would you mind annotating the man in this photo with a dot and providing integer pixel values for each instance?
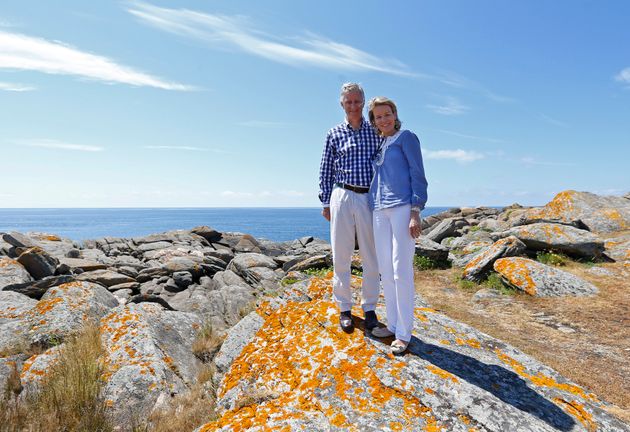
(344, 179)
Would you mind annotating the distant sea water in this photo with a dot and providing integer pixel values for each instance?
(276, 224)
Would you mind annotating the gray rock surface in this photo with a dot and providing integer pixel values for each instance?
(237, 337)
(430, 249)
(65, 309)
(14, 309)
(38, 262)
(541, 280)
(482, 262)
(148, 358)
(446, 228)
(105, 277)
(12, 272)
(561, 238)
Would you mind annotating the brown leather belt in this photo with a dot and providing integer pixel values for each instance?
(357, 189)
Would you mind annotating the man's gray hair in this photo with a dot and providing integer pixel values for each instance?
(351, 88)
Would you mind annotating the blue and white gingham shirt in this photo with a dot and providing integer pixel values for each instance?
(347, 158)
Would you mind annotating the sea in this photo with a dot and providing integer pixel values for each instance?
(276, 224)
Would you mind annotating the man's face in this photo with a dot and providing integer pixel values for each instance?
(352, 104)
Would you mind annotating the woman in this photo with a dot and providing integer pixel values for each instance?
(397, 194)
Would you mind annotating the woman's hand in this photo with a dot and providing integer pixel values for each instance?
(415, 226)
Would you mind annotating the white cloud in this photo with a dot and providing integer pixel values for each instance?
(623, 76)
(239, 33)
(58, 145)
(14, 87)
(451, 107)
(21, 52)
(460, 156)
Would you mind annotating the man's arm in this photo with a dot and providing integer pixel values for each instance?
(326, 176)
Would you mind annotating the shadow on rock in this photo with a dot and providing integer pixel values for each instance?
(502, 383)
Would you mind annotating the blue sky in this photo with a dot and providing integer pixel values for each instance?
(216, 103)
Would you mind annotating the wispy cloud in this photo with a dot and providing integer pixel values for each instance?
(528, 160)
(15, 87)
(58, 145)
(459, 155)
(623, 76)
(553, 121)
(452, 106)
(263, 124)
(240, 33)
(185, 148)
(456, 80)
(21, 52)
(473, 137)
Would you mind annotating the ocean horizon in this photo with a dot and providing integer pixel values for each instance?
(272, 223)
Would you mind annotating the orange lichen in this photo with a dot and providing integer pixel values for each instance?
(577, 410)
(543, 380)
(516, 270)
(5, 262)
(291, 356)
(442, 373)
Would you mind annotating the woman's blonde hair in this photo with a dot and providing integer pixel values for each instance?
(379, 101)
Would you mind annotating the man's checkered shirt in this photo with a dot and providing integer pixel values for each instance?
(347, 158)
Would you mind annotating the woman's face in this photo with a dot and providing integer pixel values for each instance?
(384, 119)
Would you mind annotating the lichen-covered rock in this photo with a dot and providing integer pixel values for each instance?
(12, 272)
(314, 262)
(237, 337)
(37, 368)
(256, 269)
(66, 308)
(148, 358)
(301, 372)
(14, 308)
(483, 261)
(560, 238)
(598, 213)
(618, 248)
(540, 280)
(38, 262)
(105, 277)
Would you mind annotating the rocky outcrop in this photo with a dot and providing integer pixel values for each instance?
(482, 262)
(541, 280)
(596, 213)
(12, 272)
(301, 372)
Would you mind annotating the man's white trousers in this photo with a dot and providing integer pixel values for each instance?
(350, 211)
(395, 249)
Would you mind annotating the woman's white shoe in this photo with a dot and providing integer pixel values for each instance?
(399, 346)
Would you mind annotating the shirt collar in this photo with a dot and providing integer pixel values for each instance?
(348, 126)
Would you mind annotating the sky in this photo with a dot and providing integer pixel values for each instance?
(227, 103)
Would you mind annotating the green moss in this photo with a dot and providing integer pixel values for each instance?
(551, 258)
(494, 281)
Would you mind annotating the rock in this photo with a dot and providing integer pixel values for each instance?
(178, 264)
(228, 277)
(618, 248)
(560, 238)
(315, 262)
(247, 243)
(486, 294)
(210, 234)
(446, 228)
(490, 225)
(150, 298)
(17, 239)
(105, 277)
(430, 249)
(225, 255)
(508, 246)
(37, 289)
(600, 214)
(150, 273)
(301, 372)
(14, 308)
(38, 262)
(133, 286)
(12, 272)
(541, 280)
(64, 310)
(83, 264)
(123, 295)
(148, 358)
(246, 261)
(237, 337)
(73, 253)
(146, 247)
(37, 368)
(183, 279)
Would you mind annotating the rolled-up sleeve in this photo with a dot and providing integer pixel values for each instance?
(326, 176)
(419, 184)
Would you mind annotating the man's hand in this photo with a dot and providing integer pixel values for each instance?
(415, 226)
(326, 213)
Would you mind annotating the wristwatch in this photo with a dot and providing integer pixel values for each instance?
(415, 209)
